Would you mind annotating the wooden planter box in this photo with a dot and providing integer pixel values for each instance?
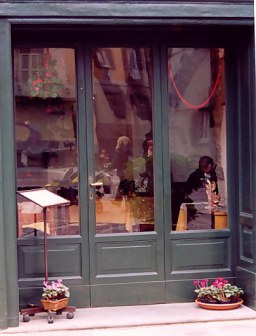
(54, 305)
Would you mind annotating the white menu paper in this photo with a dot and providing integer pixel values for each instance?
(43, 197)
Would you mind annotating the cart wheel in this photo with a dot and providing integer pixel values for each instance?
(70, 315)
(50, 319)
(59, 312)
(25, 318)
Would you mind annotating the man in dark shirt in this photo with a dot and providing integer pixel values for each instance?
(204, 174)
(201, 189)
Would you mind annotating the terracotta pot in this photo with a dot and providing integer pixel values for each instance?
(219, 306)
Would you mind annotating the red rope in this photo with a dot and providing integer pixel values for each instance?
(184, 101)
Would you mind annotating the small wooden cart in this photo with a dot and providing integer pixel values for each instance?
(44, 199)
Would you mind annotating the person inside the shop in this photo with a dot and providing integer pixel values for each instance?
(148, 174)
(205, 173)
(119, 162)
(202, 192)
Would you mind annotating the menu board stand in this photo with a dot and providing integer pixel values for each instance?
(45, 199)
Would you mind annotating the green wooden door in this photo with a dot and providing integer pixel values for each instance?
(48, 139)
(87, 128)
(126, 244)
(117, 130)
(157, 115)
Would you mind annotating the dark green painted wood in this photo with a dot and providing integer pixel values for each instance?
(241, 152)
(231, 67)
(82, 101)
(114, 11)
(3, 284)
(63, 261)
(129, 261)
(80, 296)
(8, 195)
(246, 157)
(199, 254)
(180, 291)
(129, 258)
(104, 290)
(158, 154)
(149, 2)
(246, 279)
(190, 255)
(166, 160)
(120, 294)
(68, 256)
(134, 22)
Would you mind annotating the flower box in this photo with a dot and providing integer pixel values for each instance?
(54, 305)
(55, 295)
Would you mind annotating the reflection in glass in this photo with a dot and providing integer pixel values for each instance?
(197, 128)
(46, 141)
(123, 139)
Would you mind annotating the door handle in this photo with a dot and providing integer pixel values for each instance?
(96, 184)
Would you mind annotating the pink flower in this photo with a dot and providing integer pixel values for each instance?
(219, 279)
(203, 284)
(38, 80)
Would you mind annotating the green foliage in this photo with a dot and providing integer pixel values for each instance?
(46, 83)
(219, 291)
(55, 290)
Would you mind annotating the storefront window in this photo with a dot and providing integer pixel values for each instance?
(197, 128)
(123, 140)
(46, 137)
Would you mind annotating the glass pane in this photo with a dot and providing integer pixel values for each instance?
(24, 61)
(46, 139)
(35, 61)
(197, 128)
(24, 76)
(123, 140)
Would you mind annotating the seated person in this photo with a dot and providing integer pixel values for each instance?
(202, 187)
(120, 160)
(148, 176)
(202, 175)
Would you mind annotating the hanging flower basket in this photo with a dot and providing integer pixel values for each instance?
(54, 305)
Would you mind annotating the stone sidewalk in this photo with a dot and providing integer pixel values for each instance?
(129, 316)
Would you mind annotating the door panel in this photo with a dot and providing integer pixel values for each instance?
(123, 140)
(125, 235)
(47, 143)
(199, 244)
(197, 141)
(125, 242)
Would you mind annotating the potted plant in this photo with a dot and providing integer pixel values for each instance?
(219, 294)
(55, 295)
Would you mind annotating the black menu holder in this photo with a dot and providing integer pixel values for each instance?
(45, 199)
